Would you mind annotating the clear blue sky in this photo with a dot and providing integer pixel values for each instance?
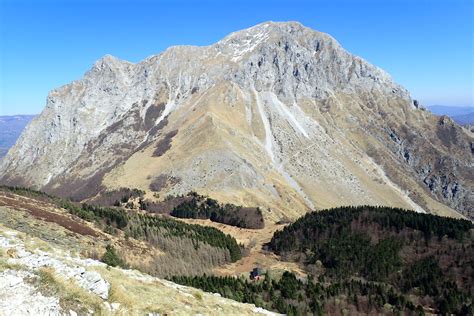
(427, 46)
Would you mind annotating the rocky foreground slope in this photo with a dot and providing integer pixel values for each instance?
(46, 269)
(53, 282)
(278, 115)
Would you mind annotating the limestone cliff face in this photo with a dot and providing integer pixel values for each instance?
(277, 115)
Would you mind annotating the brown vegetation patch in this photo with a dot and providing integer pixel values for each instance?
(166, 206)
(47, 216)
(252, 217)
(14, 181)
(164, 144)
(78, 189)
(158, 183)
(162, 181)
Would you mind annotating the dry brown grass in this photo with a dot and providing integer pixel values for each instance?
(71, 295)
(119, 294)
(253, 240)
(5, 265)
(138, 297)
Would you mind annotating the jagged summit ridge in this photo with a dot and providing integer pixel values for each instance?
(113, 86)
(277, 114)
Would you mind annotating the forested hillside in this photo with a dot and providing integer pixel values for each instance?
(187, 249)
(357, 259)
(364, 260)
(198, 206)
(427, 258)
(190, 205)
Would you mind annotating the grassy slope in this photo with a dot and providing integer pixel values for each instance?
(136, 293)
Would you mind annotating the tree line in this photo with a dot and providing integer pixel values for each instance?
(188, 249)
(198, 206)
(418, 255)
(292, 296)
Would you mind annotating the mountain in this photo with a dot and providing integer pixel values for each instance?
(463, 115)
(450, 110)
(10, 129)
(464, 119)
(277, 116)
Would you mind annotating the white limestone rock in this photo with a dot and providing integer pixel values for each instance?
(20, 298)
(277, 115)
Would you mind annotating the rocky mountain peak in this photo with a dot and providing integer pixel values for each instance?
(110, 61)
(269, 30)
(109, 68)
(240, 43)
(268, 115)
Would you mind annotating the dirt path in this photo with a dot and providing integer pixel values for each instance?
(254, 239)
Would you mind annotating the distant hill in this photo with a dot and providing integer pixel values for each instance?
(462, 115)
(464, 119)
(10, 129)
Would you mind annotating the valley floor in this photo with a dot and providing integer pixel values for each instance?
(254, 241)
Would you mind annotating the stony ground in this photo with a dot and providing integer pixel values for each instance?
(55, 282)
(21, 298)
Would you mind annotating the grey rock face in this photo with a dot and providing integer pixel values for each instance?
(285, 58)
(314, 111)
(293, 62)
(447, 177)
(21, 298)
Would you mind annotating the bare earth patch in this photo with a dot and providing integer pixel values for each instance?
(253, 240)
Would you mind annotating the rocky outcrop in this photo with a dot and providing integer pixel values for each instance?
(89, 280)
(448, 177)
(21, 293)
(277, 115)
(20, 298)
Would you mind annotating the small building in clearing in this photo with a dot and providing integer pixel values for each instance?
(256, 274)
